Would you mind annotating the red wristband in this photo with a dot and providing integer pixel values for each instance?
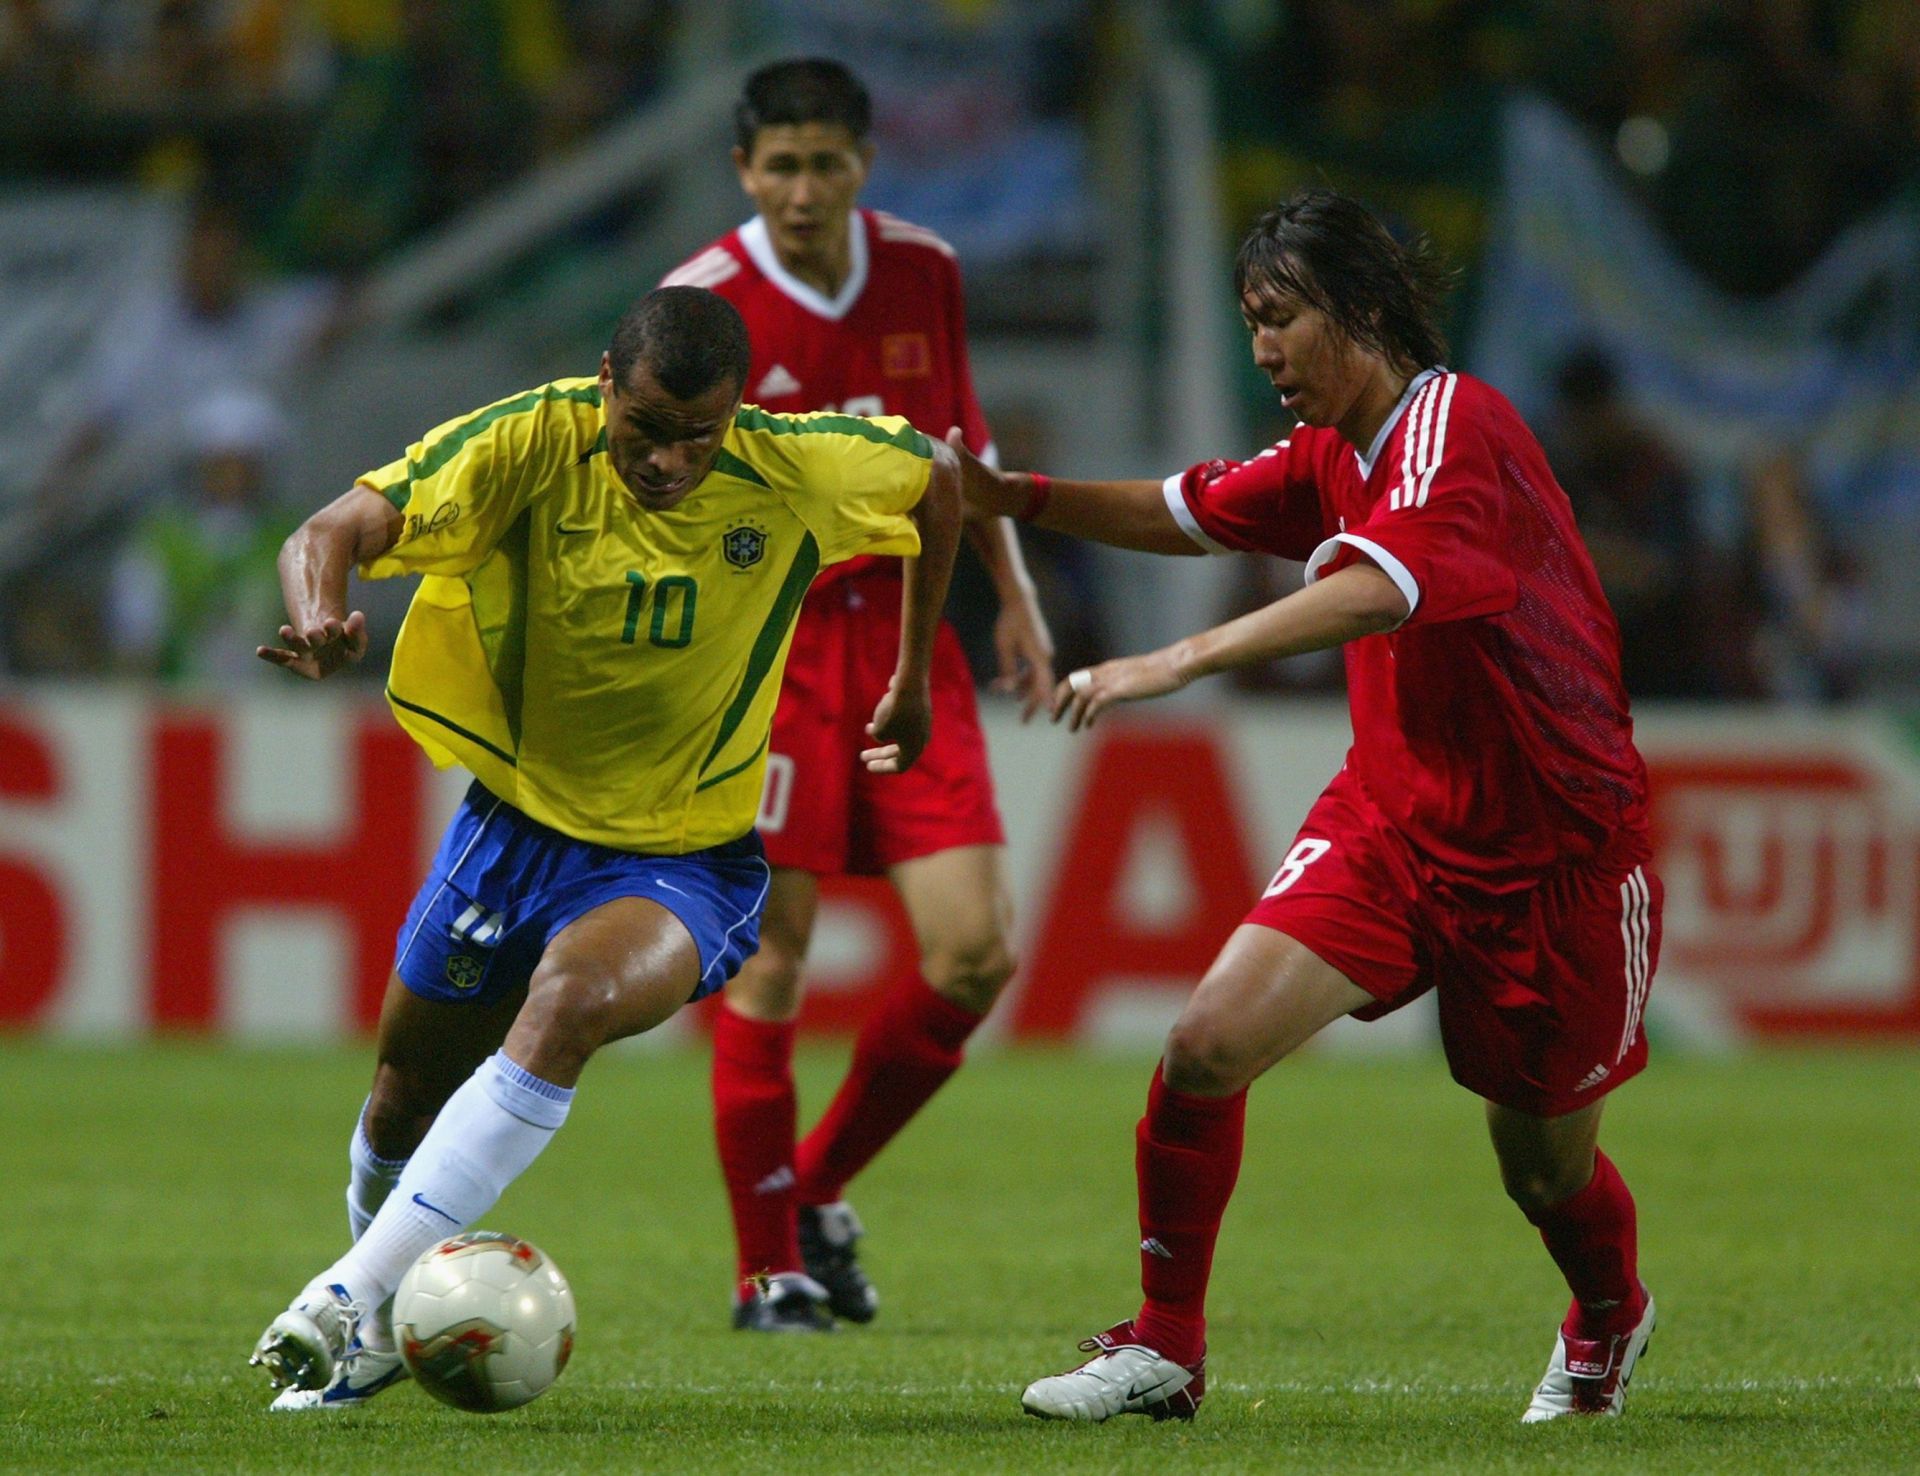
(1036, 499)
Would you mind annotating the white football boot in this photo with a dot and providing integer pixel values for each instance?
(1123, 1377)
(363, 1373)
(304, 1346)
(1588, 1376)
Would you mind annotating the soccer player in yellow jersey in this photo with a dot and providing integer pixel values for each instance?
(613, 568)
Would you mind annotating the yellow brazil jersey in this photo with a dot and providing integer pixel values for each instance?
(612, 671)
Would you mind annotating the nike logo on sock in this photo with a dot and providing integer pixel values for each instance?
(436, 1209)
(1152, 1247)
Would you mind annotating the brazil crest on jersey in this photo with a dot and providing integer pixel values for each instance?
(609, 670)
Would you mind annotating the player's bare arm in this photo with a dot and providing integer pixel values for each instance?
(321, 636)
(1021, 640)
(1129, 514)
(903, 720)
(1360, 600)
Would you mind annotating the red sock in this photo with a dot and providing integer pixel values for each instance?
(1187, 1156)
(753, 1123)
(912, 1042)
(1593, 1239)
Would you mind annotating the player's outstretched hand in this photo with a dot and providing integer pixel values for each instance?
(902, 724)
(984, 492)
(322, 649)
(1084, 694)
(1025, 649)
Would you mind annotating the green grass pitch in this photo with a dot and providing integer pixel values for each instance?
(1378, 1306)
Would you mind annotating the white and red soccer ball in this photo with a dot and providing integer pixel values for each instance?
(484, 1321)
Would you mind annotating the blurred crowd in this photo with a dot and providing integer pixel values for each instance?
(337, 127)
(1755, 129)
(315, 135)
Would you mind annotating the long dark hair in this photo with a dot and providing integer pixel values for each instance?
(1332, 253)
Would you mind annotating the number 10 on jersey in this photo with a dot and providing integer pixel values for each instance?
(674, 598)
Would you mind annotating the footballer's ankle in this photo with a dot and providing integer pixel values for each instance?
(1176, 1333)
(376, 1329)
(1606, 1319)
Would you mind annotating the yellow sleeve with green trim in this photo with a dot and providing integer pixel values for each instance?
(460, 488)
(851, 479)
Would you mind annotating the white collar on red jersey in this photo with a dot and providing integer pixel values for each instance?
(1414, 386)
(759, 246)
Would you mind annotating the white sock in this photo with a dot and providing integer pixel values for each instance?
(372, 1178)
(491, 1129)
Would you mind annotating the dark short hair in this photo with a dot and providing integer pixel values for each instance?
(690, 339)
(1332, 253)
(808, 89)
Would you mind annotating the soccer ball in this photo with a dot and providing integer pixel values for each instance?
(484, 1321)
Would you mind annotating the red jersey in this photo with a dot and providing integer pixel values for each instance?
(1491, 727)
(891, 342)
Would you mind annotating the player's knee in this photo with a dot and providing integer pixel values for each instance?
(574, 1009)
(768, 984)
(1206, 1056)
(1536, 1188)
(971, 971)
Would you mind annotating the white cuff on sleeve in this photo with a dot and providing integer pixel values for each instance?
(1398, 572)
(1183, 515)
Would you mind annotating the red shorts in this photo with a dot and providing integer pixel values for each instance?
(1541, 991)
(822, 811)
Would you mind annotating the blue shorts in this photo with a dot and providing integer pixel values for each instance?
(502, 885)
